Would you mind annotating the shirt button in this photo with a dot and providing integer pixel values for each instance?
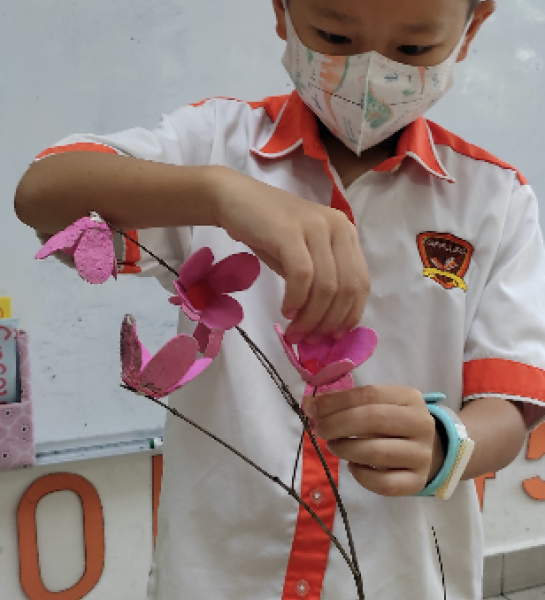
(302, 588)
(317, 496)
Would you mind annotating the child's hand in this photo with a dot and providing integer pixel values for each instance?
(386, 433)
(314, 248)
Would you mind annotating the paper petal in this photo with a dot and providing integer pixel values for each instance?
(344, 383)
(223, 313)
(196, 369)
(214, 343)
(356, 345)
(320, 351)
(195, 267)
(65, 240)
(332, 372)
(168, 366)
(94, 255)
(131, 351)
(202, 335)
(292, 357)
(234, 273)
(287, 347)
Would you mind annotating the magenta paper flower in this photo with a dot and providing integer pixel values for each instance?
(172, 367)
(203, 287)
(89, 241)
(329, 360)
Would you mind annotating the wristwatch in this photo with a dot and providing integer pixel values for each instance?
(458, 449)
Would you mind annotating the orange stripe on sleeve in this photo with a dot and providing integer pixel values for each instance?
(80, 147)
(131, 255)
(506, 377)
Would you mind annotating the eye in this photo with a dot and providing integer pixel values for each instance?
(411, 50)
(333, 38)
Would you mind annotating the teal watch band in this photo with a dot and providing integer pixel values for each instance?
(457, 453)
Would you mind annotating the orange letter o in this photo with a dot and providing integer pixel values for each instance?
(93, 531)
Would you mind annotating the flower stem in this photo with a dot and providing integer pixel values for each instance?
(297, 460)
(274, 479)
(288, 396)
(286, 392)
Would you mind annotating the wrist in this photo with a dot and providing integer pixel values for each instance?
(458, 450)
(218, 180)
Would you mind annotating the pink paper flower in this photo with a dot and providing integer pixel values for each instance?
(330, 360)
(172, 367)
(202, 287)
(89, 241)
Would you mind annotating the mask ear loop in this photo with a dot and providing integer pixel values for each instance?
(464, 35)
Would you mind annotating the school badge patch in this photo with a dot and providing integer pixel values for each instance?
(446, 258)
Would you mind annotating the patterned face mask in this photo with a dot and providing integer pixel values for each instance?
(365, 98)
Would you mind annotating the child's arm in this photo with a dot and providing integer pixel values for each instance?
(388, 435)
(314, 248)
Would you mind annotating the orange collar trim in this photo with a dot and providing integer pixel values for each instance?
(296, 125)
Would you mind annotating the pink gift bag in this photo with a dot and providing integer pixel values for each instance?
(16, 425)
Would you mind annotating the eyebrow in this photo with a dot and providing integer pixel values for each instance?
(426, 27)
(331, 13)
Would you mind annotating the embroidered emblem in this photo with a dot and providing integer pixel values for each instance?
(446, 258)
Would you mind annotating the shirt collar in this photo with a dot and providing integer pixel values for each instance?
(296, 125)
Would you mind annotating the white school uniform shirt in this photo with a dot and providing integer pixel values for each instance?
(456, 261)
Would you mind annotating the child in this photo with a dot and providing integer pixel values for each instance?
(364, 213)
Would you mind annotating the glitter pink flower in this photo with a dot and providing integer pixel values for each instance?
(203, 287)
(89, 240)
(172, 367)
(330, 359)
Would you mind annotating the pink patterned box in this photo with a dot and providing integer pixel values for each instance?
(16, 425)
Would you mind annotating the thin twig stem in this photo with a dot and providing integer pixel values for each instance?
(274, 479)
(440, 562)
(286, 392)
(129, 237)
(298, 455)
(297, 460)
(288, 396)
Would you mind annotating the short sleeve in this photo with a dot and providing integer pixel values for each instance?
(184, 137)
(505, 348)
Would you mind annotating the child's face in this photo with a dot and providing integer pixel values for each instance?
(415, 32)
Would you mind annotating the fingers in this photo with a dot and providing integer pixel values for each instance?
(322, 285)
(386, 434)
(345, 310)
(388, 483)
(381, 453)
(388, 421)
(375, 396)
(336, 285)
(313, 247)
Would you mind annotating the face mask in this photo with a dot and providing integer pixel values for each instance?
(365, 98)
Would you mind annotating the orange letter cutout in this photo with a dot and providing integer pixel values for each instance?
(480, 483)
(535, 487)
(93, 524)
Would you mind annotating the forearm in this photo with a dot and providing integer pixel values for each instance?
(498, 430)
(129, 192)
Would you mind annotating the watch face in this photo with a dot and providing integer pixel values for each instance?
(465, 451)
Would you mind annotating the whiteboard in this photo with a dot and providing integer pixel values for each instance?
(105, 66)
